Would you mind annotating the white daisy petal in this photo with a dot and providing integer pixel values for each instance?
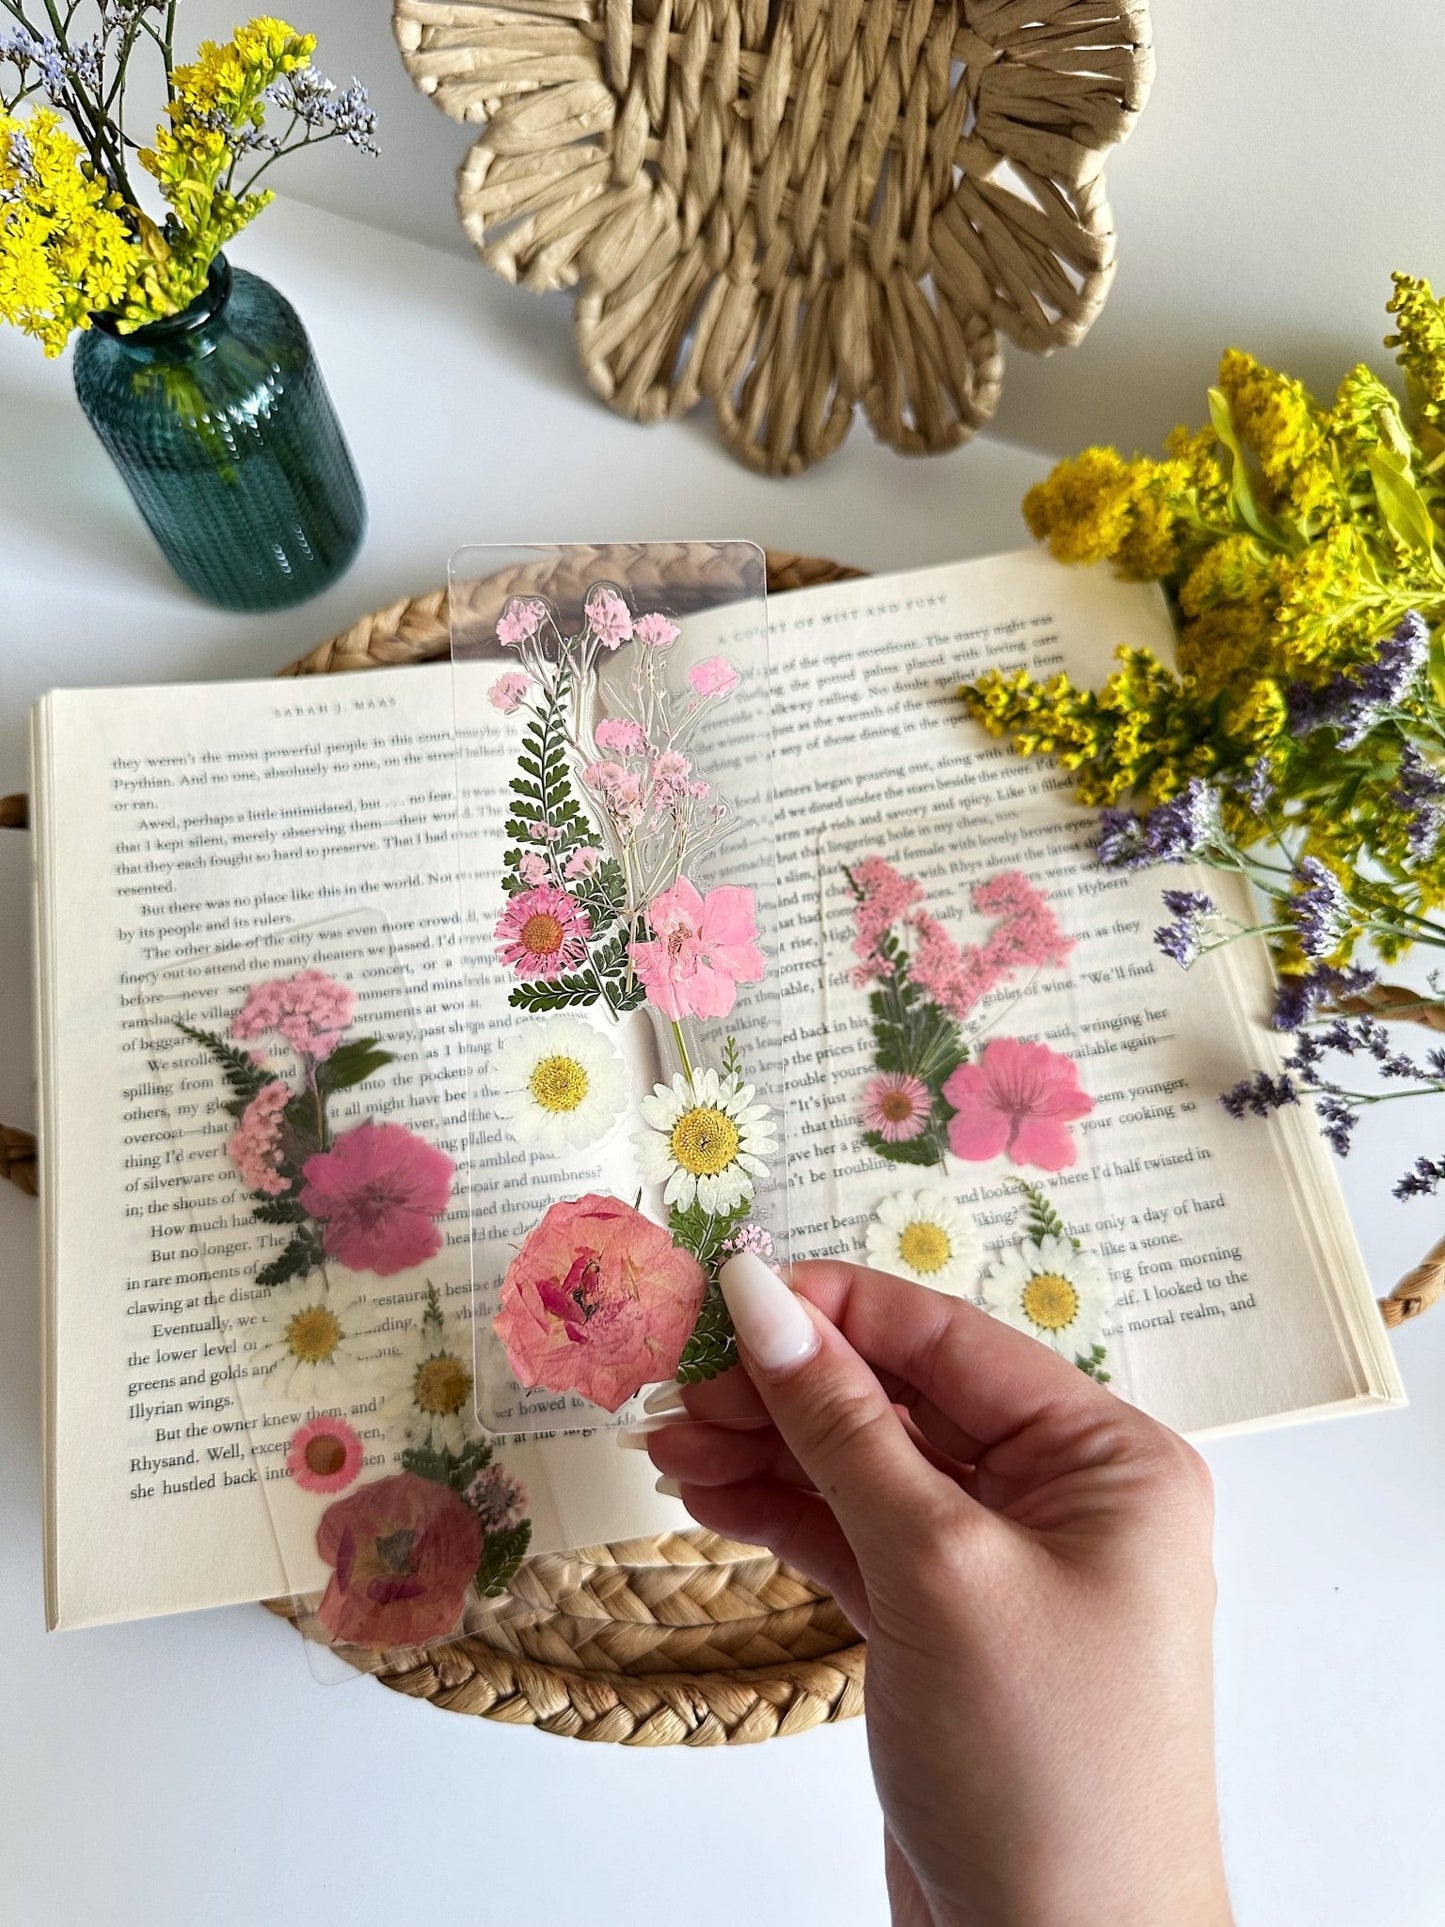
(925, 1236)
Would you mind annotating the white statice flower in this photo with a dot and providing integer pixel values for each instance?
(925, 1236)
(706, 1141)
(559, 1084)
(317, 1336)
(432, 1400)
(1053, 1291)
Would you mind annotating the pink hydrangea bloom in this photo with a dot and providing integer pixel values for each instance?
(1019, 1098)
(531, 868)
(608, 616)
(619, 734)
(379, 1191)
(702, 949)
(310, 1010)
(522, 618)
(599, 1301)
(325, 1455)
(543, 932)
(404, 1551)
(714, 677)
(897, 1107)
(254, 1147)
(507, 691)
(657, 631)
(583, 863)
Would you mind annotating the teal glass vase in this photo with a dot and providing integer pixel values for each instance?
(221, 426)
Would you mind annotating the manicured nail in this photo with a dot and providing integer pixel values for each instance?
(666, 1398)
(668, 1487)
(771, 1323)
(633, 1438)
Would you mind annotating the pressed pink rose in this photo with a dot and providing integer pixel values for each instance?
(1019, 1098)
(704, 948)
(543, 932)
(405, 1550)
(599, 1301)
(310, 1010)
(379, 1190)
(715, 677)
(522, 617)
(608, 616)
(656, 631)
(507, 691)
(619, 734)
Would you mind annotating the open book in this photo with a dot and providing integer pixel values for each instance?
(177, 821)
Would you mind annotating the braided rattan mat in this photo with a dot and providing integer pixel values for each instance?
(794, 210)
(684, 1640)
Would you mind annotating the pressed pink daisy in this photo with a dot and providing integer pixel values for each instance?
(543, 932)
(324, 1455)
(896, 1106)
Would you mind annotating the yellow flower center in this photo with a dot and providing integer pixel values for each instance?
(542, 935)
(704, 1141)
(1050, 1302)
(313, 1335)
(558, 1084)
(924, 1247)
(442, 1385)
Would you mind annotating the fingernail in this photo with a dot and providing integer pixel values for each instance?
(668, 1487)
(633, 1438)
(771, 1323)
(666, 1398)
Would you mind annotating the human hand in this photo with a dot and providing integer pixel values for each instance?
(1029, 1558)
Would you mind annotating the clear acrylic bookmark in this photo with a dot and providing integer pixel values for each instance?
(331, 1263)
(979, 1057)
(619, 888)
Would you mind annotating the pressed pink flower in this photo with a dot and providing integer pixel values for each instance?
(715, 677)
(885, 898)
(254, 1147)
(324, 1455)
(499, 1500)
(703, 948)
(598, 1301)
(379, 1191)
(619, 734)
(751, 1237)
(543, 932)
(608, 616)
(310, 1010)
(405, 1551)
(1028, 934)
(657, 631)
(955, 979)
(531, 868)
(669, 777)
(522, 617)
(897, 1107)
(507, 691)
(1019, 1098)
(620, 790)
(582, 863)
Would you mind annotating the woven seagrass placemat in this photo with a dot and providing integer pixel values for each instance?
(688, 1639)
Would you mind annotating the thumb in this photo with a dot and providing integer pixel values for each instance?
(833, 1414)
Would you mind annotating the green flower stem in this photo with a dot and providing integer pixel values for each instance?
(681, 1043)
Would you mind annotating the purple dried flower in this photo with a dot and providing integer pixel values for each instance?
(1338, 1119)
(1298, 999)
(1422, 1179)
(1352, 702)
(1319, 911)
(1259, 1095)
(1183, 939)
(1420, 796)
(1180, 831)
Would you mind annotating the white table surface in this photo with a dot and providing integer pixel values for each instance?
(188, 1771)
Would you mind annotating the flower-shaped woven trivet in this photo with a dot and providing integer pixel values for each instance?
(794, 209)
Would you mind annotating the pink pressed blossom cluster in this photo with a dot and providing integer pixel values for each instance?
(620, 735)
(750, 1237)
(884, 898)
(656, 631)
(1028, 933)
(310, 1010)
(583, 863)
(715, 677)
(520, 620)
(608, 616)
(702, 948)
(543, 932)
(507, 691)
(254, 1147)
(620, 790)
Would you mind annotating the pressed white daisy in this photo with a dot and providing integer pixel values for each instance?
(559, 1084)
(433, 1400)
(315, 1340)
(707, 1140)
(1047, 1288)
(925, 1236)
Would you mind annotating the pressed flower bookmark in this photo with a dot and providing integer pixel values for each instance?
(325, 1300)
(626, 1081)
